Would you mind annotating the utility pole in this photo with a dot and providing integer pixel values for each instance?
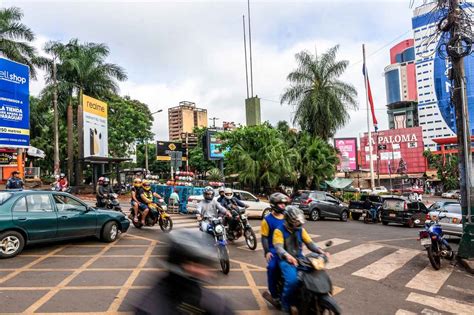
(56, 120)
(455, 51)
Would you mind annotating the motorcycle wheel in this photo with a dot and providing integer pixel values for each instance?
(250, 238)
(366, 219)
(138, 224)
(166, 224)
(326, 304)
(223, 255)
(433, 256)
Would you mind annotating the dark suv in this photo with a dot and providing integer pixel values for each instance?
(319, 204)
(400, 210)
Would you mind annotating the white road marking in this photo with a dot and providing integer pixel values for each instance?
(430, 280)
(341, 258)
(404, 312)
(461, 290)
(388, 264)
(335, 242)
(442, 303)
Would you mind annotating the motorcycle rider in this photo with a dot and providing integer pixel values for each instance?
(137, 184)
(288, 241)
(221, 197)
(232, 204)
(104, 192)
(209, 208)
(63, 183)
(270, 223)
(181, 291)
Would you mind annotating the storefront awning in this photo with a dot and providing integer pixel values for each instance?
(35, 152)
(339, 183)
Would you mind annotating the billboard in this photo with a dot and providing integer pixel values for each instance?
(96, 140)
(214, 144)
(166, 149)
(14, 104)
(347, 148)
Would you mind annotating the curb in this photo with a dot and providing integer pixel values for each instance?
(468, 264)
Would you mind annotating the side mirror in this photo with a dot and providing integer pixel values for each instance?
(88, 209)
(257, 200)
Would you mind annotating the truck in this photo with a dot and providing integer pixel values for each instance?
(366, 202)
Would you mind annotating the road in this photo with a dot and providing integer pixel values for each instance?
(375, 269)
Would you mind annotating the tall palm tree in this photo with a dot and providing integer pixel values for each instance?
(85, 67)
(321, 100)
(15, 39)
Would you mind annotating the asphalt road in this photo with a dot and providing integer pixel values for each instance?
(376, 269)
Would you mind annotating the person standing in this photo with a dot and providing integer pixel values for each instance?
(15, 182)
(174, 200)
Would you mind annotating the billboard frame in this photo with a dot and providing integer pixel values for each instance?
(356, 153)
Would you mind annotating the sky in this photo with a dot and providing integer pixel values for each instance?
(193, 50)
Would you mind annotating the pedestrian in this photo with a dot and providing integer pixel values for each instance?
(15, 182)
(173, 201)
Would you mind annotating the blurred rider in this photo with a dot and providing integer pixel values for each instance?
(232, 204)
(288, 241)
(270, 223)
(104, 191)
(221, 197)
(181, 291)
(137, 184)
(63, 183)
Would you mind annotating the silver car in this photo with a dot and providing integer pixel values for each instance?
(452, 223)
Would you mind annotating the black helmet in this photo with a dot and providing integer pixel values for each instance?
(277, 199)
(208, 193)
(189, 246)
(294, 218)
(106, 181)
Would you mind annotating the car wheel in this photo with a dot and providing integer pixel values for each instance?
(11, 244)
(110, 232)
(355, 216)
(314, 215)
(265, 212)
(385, 222)
(343, 217)
(411, 223)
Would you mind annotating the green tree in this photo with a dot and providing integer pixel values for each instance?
(197, 160)
(15, 39)
(321, 100)
(447, 168)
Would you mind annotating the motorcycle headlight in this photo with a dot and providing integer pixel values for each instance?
(244, 216)
(219, 229)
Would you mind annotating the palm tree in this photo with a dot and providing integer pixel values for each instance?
(321, 100)
(15, 39)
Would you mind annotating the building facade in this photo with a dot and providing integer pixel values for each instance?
(435, 111)
(184, 118)
(400, 85)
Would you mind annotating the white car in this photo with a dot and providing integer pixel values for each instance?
(451, 220)
(451, 194)
(375, 191)
(257, 209)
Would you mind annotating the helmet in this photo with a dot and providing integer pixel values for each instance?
(106, 181)
(62, 175)
(221, 189)
(294, 218)
(278, 202)
(137, 183)
(101, 179)
(208, 193)
(189, 246)
(228, 193)
(146, 185)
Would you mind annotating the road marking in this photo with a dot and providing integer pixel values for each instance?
(336, 290)
(461, 290)
(185, 225)
(255, 291)
(442, 303)
(341, 258)
(430, 280)
(335, 242)
(404, 312)
(385, 266)
(133, 276)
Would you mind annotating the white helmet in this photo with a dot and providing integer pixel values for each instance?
(228, 193)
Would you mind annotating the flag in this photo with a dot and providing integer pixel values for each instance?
(371, 100)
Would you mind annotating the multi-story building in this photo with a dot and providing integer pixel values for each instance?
(435, 111)
(184, 118)
(400, 84)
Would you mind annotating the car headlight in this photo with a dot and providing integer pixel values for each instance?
(219, 229)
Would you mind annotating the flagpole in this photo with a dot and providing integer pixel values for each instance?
(369, 134)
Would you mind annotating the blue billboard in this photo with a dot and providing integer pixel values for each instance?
(14, 104)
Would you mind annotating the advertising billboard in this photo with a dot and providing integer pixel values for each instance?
(166, 149)
(96, 140)
(214, 144)
(14, 104)
(347, 148)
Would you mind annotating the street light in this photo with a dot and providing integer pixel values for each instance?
(146, 145)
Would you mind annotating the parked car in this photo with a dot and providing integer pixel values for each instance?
(452, 223)
(440, 204)
(403, 211)
(357, 208)
(319, 204)
(451, 194)
(29, 217)
(379, 190)
(257, 209)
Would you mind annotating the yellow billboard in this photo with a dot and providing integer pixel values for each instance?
(94, 113)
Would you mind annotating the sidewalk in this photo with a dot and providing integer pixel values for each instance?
(468, 264)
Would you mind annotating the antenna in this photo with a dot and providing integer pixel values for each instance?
(250, 50)
(245, 52)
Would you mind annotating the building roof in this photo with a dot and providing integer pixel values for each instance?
(448, 140)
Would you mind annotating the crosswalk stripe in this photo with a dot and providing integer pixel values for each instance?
(388, 264)
(185, 225)
(335, 242)
(404, 312)
(341, 258)
(442, 303)
(430, 280)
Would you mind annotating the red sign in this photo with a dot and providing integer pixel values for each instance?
(397, 151)
(347, 148)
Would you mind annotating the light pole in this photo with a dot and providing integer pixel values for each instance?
(146, 145)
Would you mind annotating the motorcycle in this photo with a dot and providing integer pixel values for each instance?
(314, 294)
(432, 239)
(111, 202)
(56, 188)
(156, 215)
(217, 229)
(240, 226)
(372, 216)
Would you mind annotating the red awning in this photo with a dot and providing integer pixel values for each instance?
(449, 140)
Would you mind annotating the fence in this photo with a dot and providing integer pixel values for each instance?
(183, 192)
(32, 172)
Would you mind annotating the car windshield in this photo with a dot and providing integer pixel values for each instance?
(394, 204)
(453, 208)
(4, 196)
